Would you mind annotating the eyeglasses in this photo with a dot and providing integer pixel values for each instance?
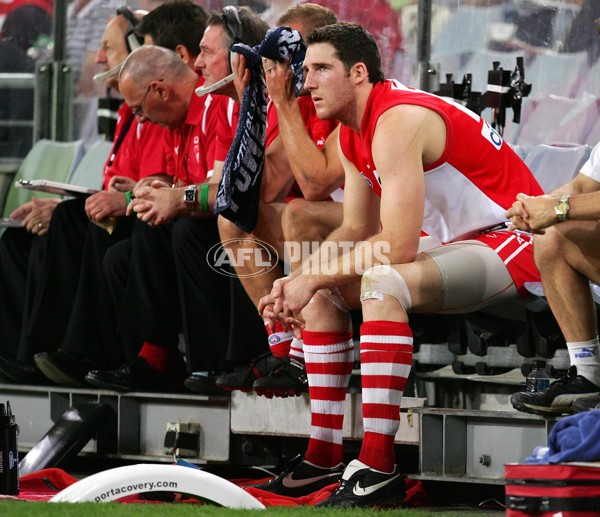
(138, 110)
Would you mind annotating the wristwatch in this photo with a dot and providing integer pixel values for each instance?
(190, 197)
(561, 209)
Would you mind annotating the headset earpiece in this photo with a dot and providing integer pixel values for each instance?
(132, 40)
(234, 24)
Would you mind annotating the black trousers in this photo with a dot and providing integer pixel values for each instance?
(91, 329)
(52, 280)
(15, 248)
(67, 298)
(163, 285)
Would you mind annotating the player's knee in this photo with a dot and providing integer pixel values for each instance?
(382, 280)
(296, 218)
(547, 246)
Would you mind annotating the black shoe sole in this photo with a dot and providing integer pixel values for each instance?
(540, 412)
(59, 376)
(204, 388)
(109, 385)
(393, 501)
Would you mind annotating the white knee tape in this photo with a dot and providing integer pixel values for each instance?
(334, 297)
(382, 279)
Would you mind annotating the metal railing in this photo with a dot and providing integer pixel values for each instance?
(52, 94)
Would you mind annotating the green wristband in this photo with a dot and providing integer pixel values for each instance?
(204, 198)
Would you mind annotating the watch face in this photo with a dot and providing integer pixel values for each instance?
(562, 209)
(190, 196)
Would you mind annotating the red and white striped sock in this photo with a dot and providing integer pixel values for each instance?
(297, 349)
(279, 340)
(329, 358)
(385, 362)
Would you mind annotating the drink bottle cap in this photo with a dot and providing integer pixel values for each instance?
(6, 416)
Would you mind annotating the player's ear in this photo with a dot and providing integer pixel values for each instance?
(184, 54)
(359, 72)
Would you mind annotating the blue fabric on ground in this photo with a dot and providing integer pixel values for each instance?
(539, 456)
(573, 438)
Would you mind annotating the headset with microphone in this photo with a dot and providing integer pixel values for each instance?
(132, 41)
(233, 22)
(233, 26)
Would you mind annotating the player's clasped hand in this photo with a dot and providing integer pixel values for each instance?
(532, 213)
(285, 303)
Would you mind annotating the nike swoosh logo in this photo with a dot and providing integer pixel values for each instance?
(361, 492)
(290, 482)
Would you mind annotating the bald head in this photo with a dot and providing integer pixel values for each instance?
(157, 85)
(151, 62)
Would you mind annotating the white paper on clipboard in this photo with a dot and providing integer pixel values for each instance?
(56, 187)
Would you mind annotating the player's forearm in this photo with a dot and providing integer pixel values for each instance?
(308, 163)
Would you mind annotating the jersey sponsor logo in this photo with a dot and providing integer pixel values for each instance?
(369, 182)
(491, 135)
(377, 177)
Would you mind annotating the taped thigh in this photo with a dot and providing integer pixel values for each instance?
(473, 276)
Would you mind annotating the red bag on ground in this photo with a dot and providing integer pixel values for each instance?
(565, 489)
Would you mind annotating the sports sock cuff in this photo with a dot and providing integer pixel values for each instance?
(279, 340)
(311, 338)
(297, 349)
(584, 352)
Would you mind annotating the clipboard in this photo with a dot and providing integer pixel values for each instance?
(55, 187)
(7, 222)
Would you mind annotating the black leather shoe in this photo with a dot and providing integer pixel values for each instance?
(64, 368)
(137, 376)
(12, 370)
(204, 384)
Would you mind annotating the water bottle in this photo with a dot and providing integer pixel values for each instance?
(538, 379)
(9, 454)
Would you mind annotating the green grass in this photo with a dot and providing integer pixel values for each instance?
(36, 509)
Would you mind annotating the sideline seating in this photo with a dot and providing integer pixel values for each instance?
(551, 118)
(89, 170)
(47, 159)
(554, 165)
